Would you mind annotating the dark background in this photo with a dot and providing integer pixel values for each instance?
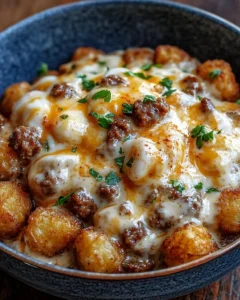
(12, 11)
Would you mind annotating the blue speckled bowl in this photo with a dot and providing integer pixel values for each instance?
(51, 37)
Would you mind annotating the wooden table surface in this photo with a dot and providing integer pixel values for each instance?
(11, 11)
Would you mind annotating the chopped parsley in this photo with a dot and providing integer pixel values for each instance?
(60, 108)
(130, 162)
(103, 94)
(199, 186)
(212, 189)
(43, 69)
(177, 185)
(202, 135)
(46, 146)
(219, 131)
(88, 85)
(147, 66)
(64, 117)
(167, 83)
(214, 73)
(120, 161)
(101, 63)
(103, 121)
(149, 98)
(112, 178)
(74, 149)
(200, 98)
(83, 100)
(238, 101)
(95, 174)
(120, 150)
(63, 199)
(127, 138)
(127, 108)
(138, 74)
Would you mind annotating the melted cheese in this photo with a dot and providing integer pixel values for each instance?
(161, 153)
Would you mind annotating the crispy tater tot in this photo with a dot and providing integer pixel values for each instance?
(139, 56)
(9, 162)
(220, 74)
(12, 94)
(50, 230)
(166, 54)
(229, 211)
(187, 243)
(15, 207)
(96, 252)
(89, 52)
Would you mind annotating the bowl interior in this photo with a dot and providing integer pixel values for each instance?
(53, 35)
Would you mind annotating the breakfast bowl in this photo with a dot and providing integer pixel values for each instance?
(51, 37)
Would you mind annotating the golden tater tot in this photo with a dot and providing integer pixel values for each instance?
(50, 230)
(89, 52)
(97, 253)
(221, 75)
(138, 56)
(15, 207)
(229, 211)
(166, 54)
(9, 162)
(187, 243)
(12, 94)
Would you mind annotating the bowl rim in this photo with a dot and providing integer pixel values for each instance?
(124, 276)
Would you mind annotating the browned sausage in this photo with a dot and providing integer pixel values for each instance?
(149, 113)
(113, 80)
(191, 85)
(136, 264)
(134, 234)
(108, 192)
(25, 141)
(62, 91)
(82, 205)
(118, 130)
(206, 105)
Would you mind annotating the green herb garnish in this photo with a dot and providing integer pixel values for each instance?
(238, 101)
(177, 185)
(202, 135)
(74, 149)
(120, 150)
(127, 108)
(112, 178)
(103, 121)
(138, 74)
(149, 98)
(147, 67)
(88, 85)
(83, 100)
(212, 189)
(46, 146)
(103, 94)
(199, 186)
(166, 82)
(64, 117)
(63, 199)
(95, 174)
(120, 161)
(130, 162)
(43, 69)
(127, 138)
(214, 73)
(101, 63)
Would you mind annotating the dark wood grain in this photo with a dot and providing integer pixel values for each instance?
(12, 11)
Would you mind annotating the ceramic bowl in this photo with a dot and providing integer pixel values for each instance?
(51, 37)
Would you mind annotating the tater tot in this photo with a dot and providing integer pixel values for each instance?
(221, 75)
(12, 94)
(97, 253)
(187, 243)
(166, 54)
(9, 162)
(139, 56)
(89, 52)
(15, 207)
(229, 211)
(50, 230)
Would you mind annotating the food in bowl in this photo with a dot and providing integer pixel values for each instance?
(121, 162)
